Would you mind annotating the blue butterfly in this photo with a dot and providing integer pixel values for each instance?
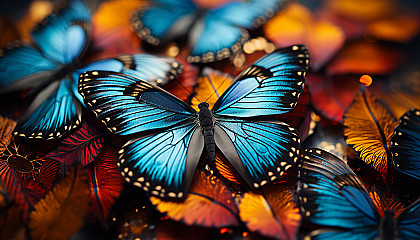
(331, 195)
(163, 159)
(405, 144)
(52, 67)
(212, 34)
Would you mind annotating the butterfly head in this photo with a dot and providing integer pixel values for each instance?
(203, 104)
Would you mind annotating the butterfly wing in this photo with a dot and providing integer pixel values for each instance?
(272, 85)
(155, 69)
(164, 20)
(221, 32)
(409, 222)
(52, 113)
(405, 144)
(127, 105)
(259, 151)
(163, 164)
(331, 195)
(64, 36)
(23, 67)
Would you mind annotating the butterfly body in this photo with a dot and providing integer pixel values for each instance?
(171, 135)
(388, 225)
(205, 117)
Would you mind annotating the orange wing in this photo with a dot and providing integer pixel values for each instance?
(272, 213)
(209, 203)
(368, 129)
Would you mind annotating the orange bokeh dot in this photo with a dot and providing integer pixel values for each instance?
(366, 79)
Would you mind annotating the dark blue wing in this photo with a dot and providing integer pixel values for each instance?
(163, 164)
(127, 105)
(405, 144)
(53, 112)
(409, 222)
(259, 151)
(272, 85)
(23, 67)
(331, 195)
(63, 36)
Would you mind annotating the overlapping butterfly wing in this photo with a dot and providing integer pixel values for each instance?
(331, 195)
(405, 144)
(261, 151)
(61, 39)
(158, 162)
(212, 36)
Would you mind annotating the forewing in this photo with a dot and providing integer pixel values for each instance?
(249, 14)
(405, 144)
(331, 195)
(221, 32)
(164, 20)
(54, 112)
(272, 85)
(126, 104)
(163, 164)
(23, 67)
(212, 38)
(259, 151)
(63, 36)
(155, 69)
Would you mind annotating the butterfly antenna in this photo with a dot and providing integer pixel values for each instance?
(187, 89)
(224, 80)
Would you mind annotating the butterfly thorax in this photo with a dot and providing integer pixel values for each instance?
(205, 118)
(65, 70)
(388, 229)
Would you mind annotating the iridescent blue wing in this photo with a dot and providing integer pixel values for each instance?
(259, 151)
(23, 66)
(63, 35)
(163, 164)
(52, 113)
(272, 85)
(127, 104)
(158, 70)
(331, 195)
(221, 32)
(405, 144)
(409, 222)
(164, 20)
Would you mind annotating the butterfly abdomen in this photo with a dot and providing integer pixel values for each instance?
(206, 122)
